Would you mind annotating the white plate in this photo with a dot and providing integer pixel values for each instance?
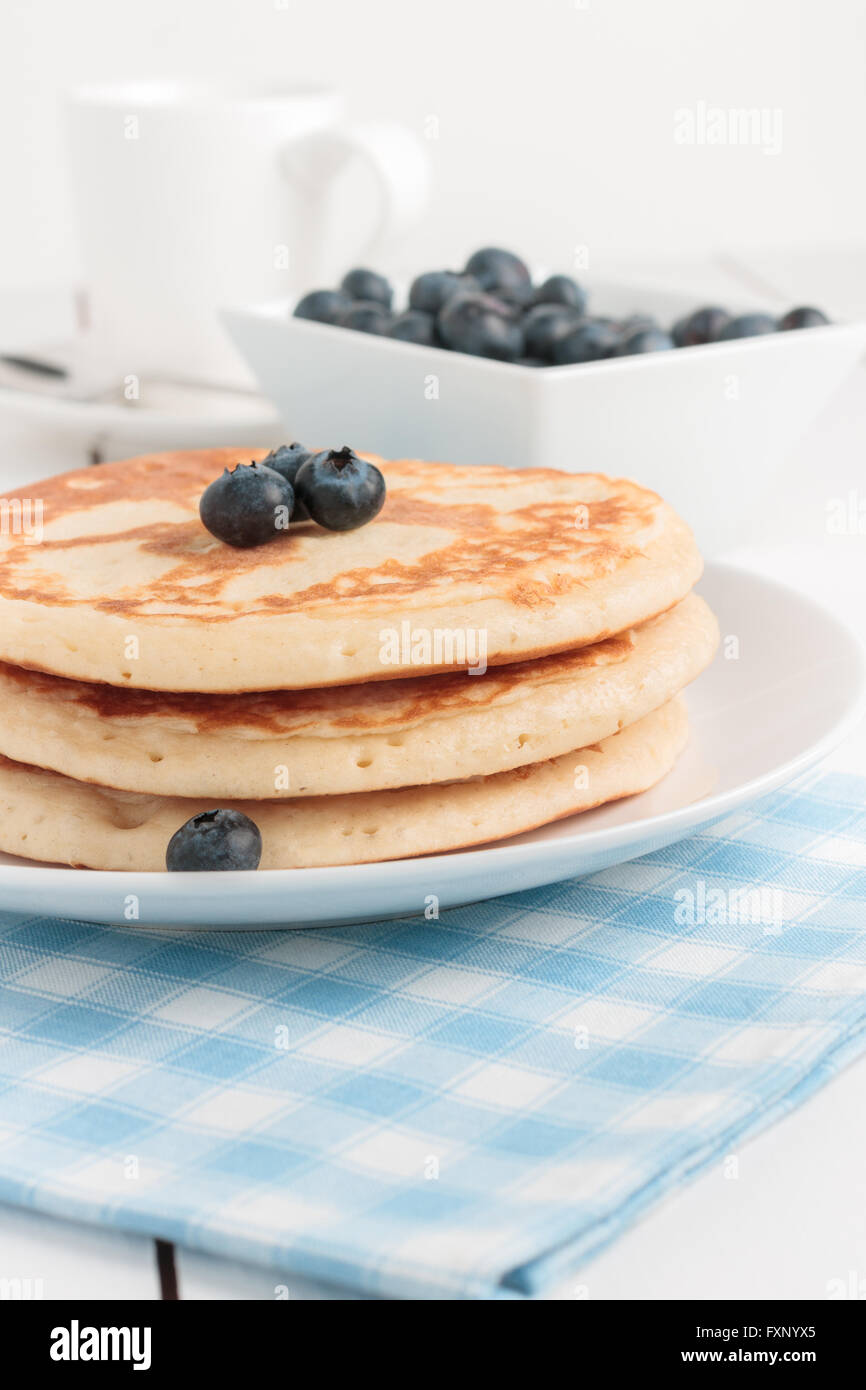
(788, 684)
(45, 434)
(47, 429)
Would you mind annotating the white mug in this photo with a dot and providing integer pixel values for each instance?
(191, 198)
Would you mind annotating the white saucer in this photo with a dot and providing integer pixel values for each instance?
(787, 686)
(48, 425)
(46, 434)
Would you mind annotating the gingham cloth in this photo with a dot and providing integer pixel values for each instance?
(465, 1107)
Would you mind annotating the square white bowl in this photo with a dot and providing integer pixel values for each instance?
(707, 427)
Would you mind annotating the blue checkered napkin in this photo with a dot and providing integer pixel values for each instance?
(469, 1107)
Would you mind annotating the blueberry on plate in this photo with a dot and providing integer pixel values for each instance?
(591, 340)
(432, 290)
(482, 326)
(340, 490)
(286, 460)
(803, 317)
(495, 269)
(323, 306)
(218, 840)
(247, 506)
(414, 326)
(561, 289)
(747, 326)
(644, 340)
(703, 326)
(367, 284)
(366, 316)
(543, 325)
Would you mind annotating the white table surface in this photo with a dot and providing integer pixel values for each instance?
(792, 1224)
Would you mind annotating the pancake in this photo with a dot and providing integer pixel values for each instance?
(46, 816)
(124, 585)
(356, 737)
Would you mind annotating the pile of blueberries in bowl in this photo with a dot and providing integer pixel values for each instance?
(492, 309)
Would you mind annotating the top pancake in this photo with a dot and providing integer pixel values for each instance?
(127, 587)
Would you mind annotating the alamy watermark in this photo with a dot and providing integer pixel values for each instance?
(16, 1289)
(751, 907)
(460, 648)
(77, 1343)
(846, 516)
(22, 516)
(758, 127)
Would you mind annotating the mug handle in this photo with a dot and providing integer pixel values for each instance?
(392, 153)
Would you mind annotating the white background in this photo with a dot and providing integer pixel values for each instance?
(555, 117)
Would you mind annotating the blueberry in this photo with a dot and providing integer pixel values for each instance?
(678, 332)
(432, 290)
(561, 289)
(514, 296)
(747, 326)
(636, 323)
(495, 269)
(215, 840)
(414, 326)
(323, 306)
(591, 340)
(340, 490)
(366, 316)
(543, 324)
(532, 362)
(703, 326)
(804, 317)
(366, 284)
(286, 461)
(245, 507)
(481, 325)
(644, 340)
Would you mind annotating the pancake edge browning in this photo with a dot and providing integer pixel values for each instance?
(296, 650)
(352, 739)
(50, 818)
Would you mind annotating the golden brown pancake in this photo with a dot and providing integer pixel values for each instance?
(52, 818)
(125, 585)
(353, 737)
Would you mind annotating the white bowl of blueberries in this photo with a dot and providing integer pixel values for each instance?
(485, 365)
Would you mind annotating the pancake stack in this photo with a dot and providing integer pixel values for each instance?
(496, 650)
